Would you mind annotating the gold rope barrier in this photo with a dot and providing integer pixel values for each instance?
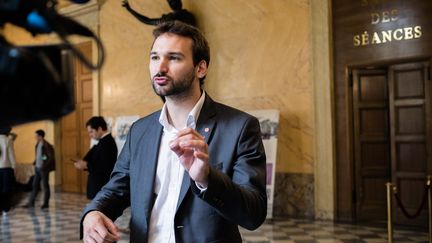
(430, 206)
(392, 189)
(389, 186)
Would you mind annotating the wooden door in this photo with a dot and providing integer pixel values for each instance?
(392, 139)
(371, 143)
(74, 138)
(410, 113)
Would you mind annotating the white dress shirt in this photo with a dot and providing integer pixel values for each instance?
(168, 180)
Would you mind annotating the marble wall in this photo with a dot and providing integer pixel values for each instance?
(294, 195)
(260, 59)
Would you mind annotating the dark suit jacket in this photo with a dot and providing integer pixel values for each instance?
(48, 155)
(236, 192)
(101, 159)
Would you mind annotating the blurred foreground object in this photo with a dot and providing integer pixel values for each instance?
(36, 82)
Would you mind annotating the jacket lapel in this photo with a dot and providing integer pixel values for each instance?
(205, 126)
(149, 155)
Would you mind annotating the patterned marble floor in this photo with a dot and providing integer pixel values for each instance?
(61, 224)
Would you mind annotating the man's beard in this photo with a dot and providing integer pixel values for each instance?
(179, 87)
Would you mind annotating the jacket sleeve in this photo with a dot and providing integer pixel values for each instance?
(103, 158)
(49, 160)
(89, 155)
(241, 197)
(11, 154)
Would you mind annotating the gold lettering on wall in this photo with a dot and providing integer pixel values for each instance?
(407, 33)
(385, 36)
(385, 16)
(417, 32)
(376, 38)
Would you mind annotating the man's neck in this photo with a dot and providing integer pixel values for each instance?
(103, 134)
(179, 108)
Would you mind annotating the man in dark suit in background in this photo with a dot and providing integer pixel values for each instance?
(100, 159)
(191, 172)
(44, 163)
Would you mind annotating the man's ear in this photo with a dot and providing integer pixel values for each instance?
(201, 70)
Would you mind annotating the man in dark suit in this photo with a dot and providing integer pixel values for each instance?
(191, 172)
(44, 163)
(100, 159)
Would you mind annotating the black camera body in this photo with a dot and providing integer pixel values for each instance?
(36, 83)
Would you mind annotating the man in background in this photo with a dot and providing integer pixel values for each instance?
(44, 164)
(100, 160)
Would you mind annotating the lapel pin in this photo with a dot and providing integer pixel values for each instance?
(206, 129)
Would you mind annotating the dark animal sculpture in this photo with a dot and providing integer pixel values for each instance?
(178, 13)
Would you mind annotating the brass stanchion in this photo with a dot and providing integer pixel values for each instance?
(389, 186)
(430, 206)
